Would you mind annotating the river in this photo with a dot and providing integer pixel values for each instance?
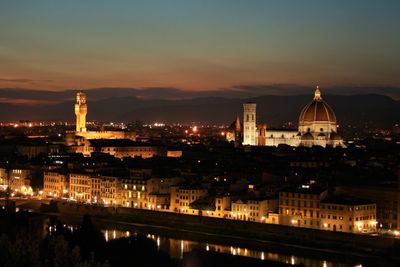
(176, 247)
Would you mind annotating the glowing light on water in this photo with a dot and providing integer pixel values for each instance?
(207, 248)
(106, 235)
(262, 256)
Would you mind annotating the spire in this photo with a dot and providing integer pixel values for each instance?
(317, 94)
(237, 124)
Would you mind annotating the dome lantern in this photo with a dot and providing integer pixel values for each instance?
(317, 94)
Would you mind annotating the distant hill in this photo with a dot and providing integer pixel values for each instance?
(126, 105)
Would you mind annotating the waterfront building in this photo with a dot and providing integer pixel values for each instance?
(387, 199)
(158, 201)
(19, 180)
(182, 196)
(3, 178)
(55, 184)
(253, 209)
(80, 187)
(134, 191)
(300, 206)
(348, 214)
(96, 189)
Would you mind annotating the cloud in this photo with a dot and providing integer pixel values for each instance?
(23, 80)
(23, 101)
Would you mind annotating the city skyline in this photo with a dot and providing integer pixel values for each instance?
(199, 133)
(197, 46)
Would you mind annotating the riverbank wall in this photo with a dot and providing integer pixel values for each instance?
(362, 244)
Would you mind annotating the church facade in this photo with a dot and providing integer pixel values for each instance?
(317, 126)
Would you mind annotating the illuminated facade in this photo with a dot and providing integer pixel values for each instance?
(119, 148)
(55, 184)
(80, 112)
(3, 178)
(317, 126)
(19, 180)
(182, 197)
(311, 207)
(80, 187)
(301, 206)
(387, 201)
(96, 189)
(134, 193)
(255, 210)
(348, 215)
(249, 124)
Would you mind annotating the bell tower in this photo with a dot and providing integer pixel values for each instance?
(80, 111)
(249, 123)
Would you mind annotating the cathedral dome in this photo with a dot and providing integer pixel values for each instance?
(317, 111)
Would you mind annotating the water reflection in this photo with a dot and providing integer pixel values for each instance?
(176, 247)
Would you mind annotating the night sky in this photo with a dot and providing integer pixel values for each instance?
(198, 45)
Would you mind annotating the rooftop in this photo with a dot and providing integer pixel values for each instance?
(304, 189)
(346, 200)
(118, 143)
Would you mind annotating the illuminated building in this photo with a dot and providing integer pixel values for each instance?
(387, 201)
(222, 206)
(182, 197)
(19, 180)
(134, 192)
(249, 124)
(96, 189)
(80, 187)
(157, 201)
(55, 184)
(300, 206)
(317, 126)
(120, 148)
(3, 178)
(147, 193)
(345, 214)
(81, 110)
(255, 210)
